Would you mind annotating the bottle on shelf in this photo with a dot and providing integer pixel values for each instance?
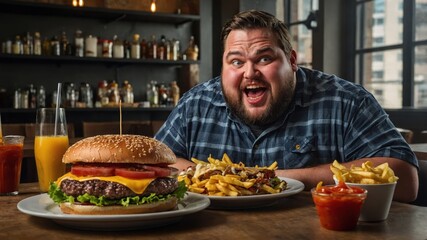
(113, 92)
(118, 49)
(63, 44)
(28, 46)
(161, 48)
(46, 47)
(102, 95)
(152, 49)
(163, 95)
(107, 48)
(175, 50)
(192, 51)
(41, 97)
(144, 48)
(55, 46)
(153, 94)
(127, 92)
(91, 46)
(86, 95)
(7, 47)
(175, 91)
(78, 44)
(37, 44)
(17, 47)
(32, 96)
(135, 52)
(71, 95)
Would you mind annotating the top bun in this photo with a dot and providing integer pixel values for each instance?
(119, 149)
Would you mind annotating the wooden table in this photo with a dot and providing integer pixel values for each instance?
(293, 218)
(420, 150)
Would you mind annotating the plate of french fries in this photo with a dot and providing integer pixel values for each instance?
(236, 186)
(367, 173)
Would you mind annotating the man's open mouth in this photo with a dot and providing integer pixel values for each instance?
(254, 93)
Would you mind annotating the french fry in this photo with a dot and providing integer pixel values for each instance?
(222, 177)
(365, 174)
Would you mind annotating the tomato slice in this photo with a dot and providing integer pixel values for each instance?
(92, 171)
(134, 173)
(160, 171)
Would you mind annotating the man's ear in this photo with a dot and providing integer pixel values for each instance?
(293, 60)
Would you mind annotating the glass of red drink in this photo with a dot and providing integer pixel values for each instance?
(338, 206)
(11, 151)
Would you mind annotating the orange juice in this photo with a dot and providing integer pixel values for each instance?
(48, 151)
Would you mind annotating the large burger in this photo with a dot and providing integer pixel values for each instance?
(118, 174)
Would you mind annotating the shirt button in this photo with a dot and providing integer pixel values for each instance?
(256, 146)
(297, 147)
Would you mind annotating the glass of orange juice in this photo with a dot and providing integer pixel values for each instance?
(50, 144)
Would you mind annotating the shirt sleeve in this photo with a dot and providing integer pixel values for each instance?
(370, 133)
(172, 132)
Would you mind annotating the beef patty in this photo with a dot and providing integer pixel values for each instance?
(113, 190)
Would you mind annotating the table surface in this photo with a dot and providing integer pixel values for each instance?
(294, 217)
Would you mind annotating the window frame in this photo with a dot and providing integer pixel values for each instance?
(407, 47)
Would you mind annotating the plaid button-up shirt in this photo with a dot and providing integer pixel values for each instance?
(329, 118)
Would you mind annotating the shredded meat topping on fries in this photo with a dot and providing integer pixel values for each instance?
(225, 178)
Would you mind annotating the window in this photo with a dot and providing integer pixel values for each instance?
(391, 51)
(299, 12)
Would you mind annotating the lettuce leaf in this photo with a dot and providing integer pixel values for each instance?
(58, 196)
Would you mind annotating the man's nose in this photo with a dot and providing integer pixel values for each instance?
(251, 70)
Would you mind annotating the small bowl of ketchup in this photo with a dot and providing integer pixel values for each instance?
(338, 206)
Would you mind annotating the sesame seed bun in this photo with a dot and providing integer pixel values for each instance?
(119, 149)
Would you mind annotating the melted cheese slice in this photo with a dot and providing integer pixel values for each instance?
(136, 185)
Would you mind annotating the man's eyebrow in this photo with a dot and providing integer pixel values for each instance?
(263, 50)
(231, 53)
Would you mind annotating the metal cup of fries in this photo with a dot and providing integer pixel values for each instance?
(380, 183)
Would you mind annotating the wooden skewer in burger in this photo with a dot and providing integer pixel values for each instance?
(118, 174)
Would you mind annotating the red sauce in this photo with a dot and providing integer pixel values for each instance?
(10, 167)
(338, 206)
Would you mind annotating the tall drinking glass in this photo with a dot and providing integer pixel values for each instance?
(50, 144)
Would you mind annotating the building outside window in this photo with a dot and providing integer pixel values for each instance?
(300, 28)
(391, 51)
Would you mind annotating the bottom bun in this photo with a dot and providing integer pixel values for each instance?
(160, 206)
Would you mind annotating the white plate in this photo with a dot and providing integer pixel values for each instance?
(42, 206)
(255, 201)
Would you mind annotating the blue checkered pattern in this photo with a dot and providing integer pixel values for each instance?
(329, 119)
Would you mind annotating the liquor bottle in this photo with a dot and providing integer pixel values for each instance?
(127, 92)
(175, 50)
(46, 48)
(17, 45)
(28, 45)
(161, 48)
(152, 50)
(78, 44)
(32, 96)
(63, 44)
(37, 44)
(192, 51)
(144, 49)
(55, 46)
(113, 92)
(135, 52)
(41, 97)
(175, 92)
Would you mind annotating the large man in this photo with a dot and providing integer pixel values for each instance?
(264, 108)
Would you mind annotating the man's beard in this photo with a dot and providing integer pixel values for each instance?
(274, 110)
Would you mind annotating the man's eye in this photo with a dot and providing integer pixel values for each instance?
(264, 59)
(236, 62)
